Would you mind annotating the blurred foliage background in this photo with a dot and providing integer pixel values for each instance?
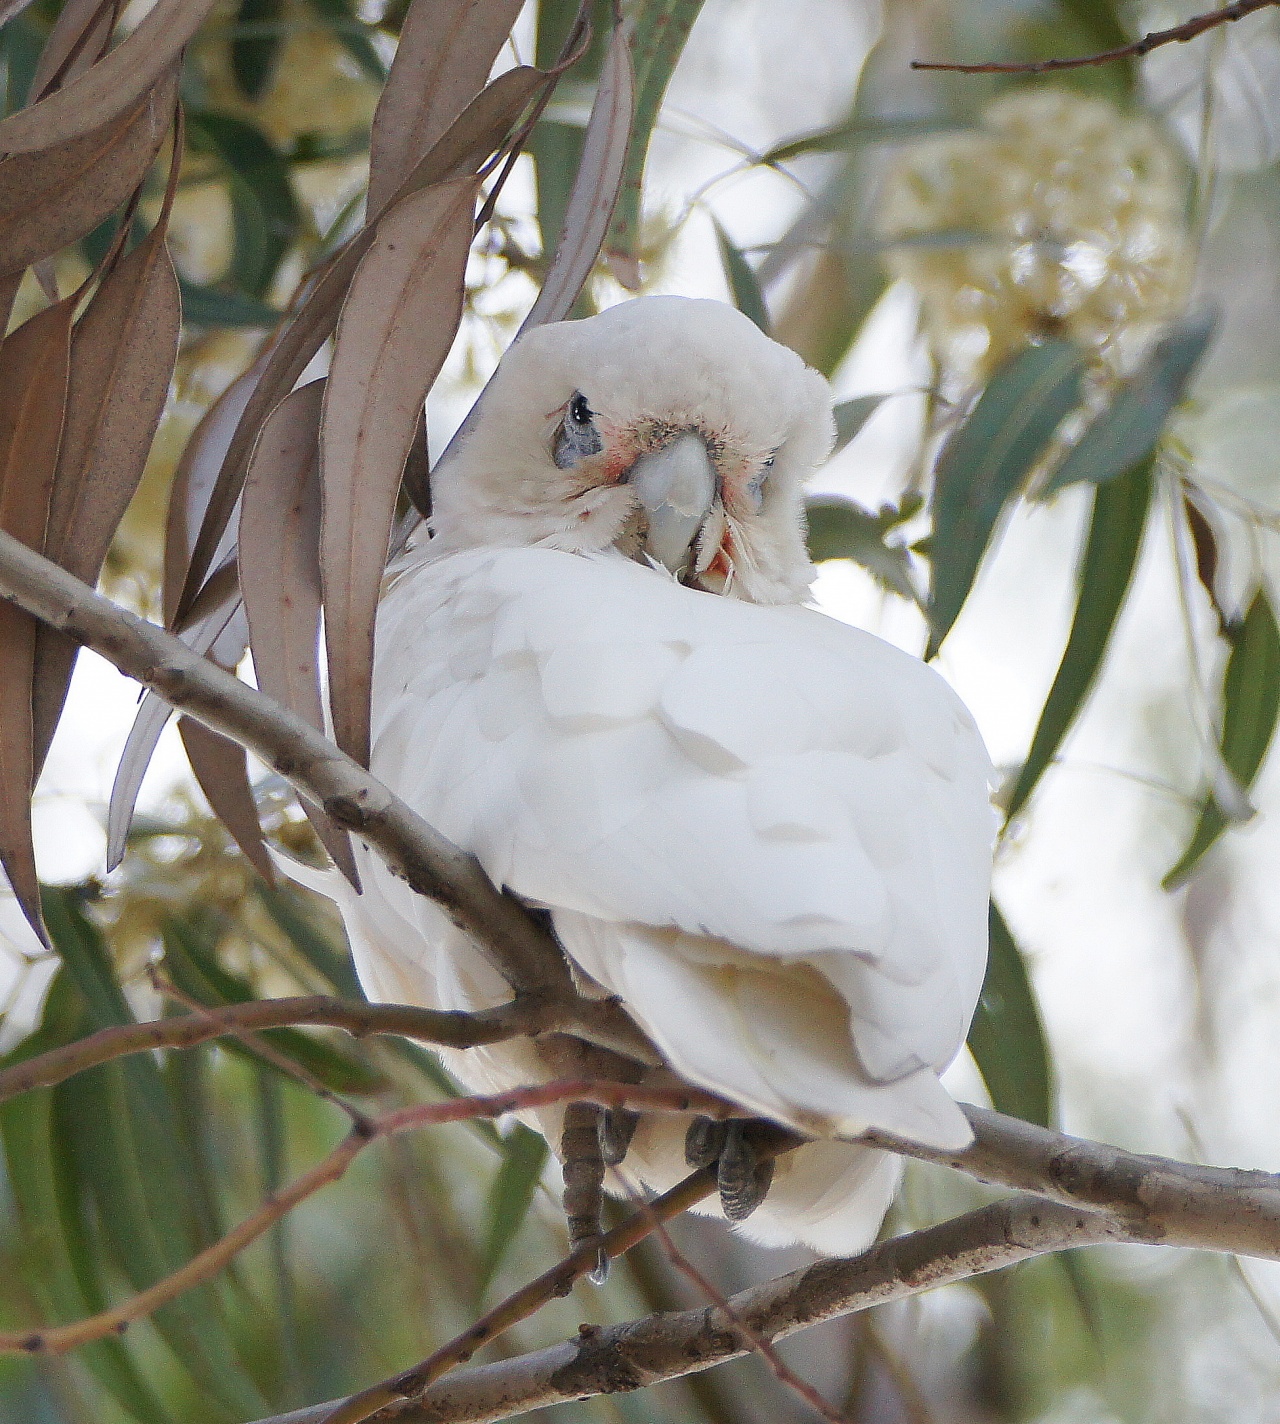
(1082, 273)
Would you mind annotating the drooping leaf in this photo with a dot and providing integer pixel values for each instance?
(33, 400)
(56, 193)
(1127, 431)
(221, 769)
(128, 1150)
(662, 28)
(524, 1155)
(212, 306)
(852, 415)
(398, 323)
(1250, 702)
(266, 218)
(477, 131)
(1106, 571)
(444, 56)
(841, 529)
(255, 46)
(280, 574)
(1007, 1038)
(742, 280)
(986, 461)
(122, 355)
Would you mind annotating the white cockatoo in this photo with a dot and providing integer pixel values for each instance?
(766, 832)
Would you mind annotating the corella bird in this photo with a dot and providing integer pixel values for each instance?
(766, 832)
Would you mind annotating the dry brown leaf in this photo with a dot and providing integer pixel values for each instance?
(122, 356)
(445, 53)
(111, 88)
(52, 197)
(596, 186)
(33, 395)
(397, 325)
(222, 770)
(79, 38)
(481, 128)
(280, 574)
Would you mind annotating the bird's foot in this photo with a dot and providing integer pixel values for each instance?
(580, 1151)
(743, 1175)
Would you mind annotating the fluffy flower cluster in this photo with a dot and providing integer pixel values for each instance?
(1058, 216)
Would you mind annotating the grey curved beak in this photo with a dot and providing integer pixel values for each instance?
(676, 485)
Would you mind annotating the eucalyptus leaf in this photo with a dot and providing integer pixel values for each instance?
(255, 45)
(1106, 571)
(524, 1155)
(1007, 1037)
(349, 30)
(1251, 700)
(858, 131)
(208, 306)
(986, 462)
(852, 415)
(841, 529)
(743, 283)
(1127, 431)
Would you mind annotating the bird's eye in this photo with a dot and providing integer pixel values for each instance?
(577, 437)
(755, 485)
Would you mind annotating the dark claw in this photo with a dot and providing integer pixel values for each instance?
(742, 1176)
(617, 1128)
(704, 1141)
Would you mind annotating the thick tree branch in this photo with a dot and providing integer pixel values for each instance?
(1177, 34)
(1150, 1199)
(632, 1356)
(520, 948)
(521, 1018)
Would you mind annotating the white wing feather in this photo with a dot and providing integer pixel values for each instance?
(767, 831)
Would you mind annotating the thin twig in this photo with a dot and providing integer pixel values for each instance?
(1178, 34)
(762, 1346)
(56, 1340)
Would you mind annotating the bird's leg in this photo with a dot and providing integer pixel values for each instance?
(704, 1141)
(617, 1128)
(583, 1180)
(742, 1174)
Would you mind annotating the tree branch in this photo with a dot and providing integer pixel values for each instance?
(1178, 34)
(621, 1358)
(520, 948)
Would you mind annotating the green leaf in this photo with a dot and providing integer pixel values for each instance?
(1007, 1038)
(21, 41)
(524, 1154)
(353, 35)
(985, 463)
(1106, 571)
(1127, 431)
(255, 45)
(1251, 699)
(662, 27)
(207, 306)
(265, 214)
(743, 284)
(856, 131)
(852, 415)
(192, 963)
(325, 956)
(841, 529)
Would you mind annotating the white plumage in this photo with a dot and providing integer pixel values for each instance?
(767, 832)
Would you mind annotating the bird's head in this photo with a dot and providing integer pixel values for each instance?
(670, 429)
